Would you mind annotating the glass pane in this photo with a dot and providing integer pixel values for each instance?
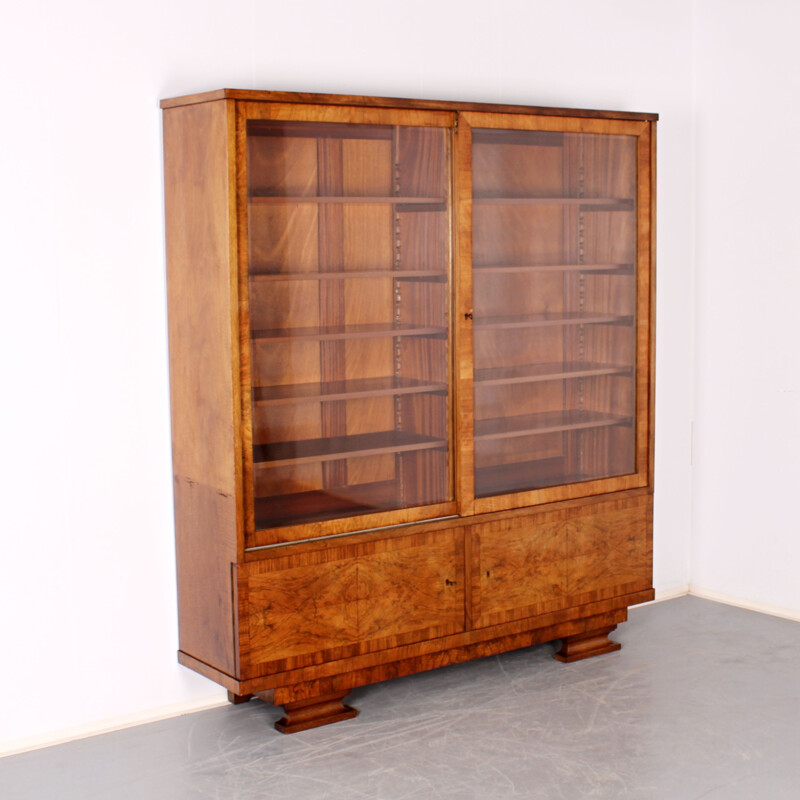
(348, 259)
(554, 251)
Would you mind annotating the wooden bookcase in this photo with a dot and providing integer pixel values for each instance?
(411, 364)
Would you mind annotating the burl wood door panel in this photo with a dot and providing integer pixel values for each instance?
(520, 568)
(611, 550)
(326, 604)
(541, 562)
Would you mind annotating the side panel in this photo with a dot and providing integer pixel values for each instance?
(203, 363)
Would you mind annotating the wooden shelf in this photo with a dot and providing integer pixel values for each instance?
(303, 507)
(332, 332)
(397, 274)
(390, 199)
(545, 422)
(604, 269)
(552, 318)
(343, 390)
(335, 447)
(523, 476)
(531, 373)
(591, 203)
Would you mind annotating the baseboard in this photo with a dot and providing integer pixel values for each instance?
(17, 746)
(741, 602)
(667, 594)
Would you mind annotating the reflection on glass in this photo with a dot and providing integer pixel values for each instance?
(554, 251)
(348, 255)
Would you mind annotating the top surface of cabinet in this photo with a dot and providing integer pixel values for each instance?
(437, 309)
(394, 102)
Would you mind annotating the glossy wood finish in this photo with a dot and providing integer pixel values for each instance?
(355, 591)
(539, 562)
(587, 645)
(204, 384)
(238, 699)
(328, 290)
(306, 714)
(259, 96)
(328, 677)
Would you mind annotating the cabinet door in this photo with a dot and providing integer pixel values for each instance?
(338, 602)
(544, 561)
(345, 250)
(556, 238)
(520, 568)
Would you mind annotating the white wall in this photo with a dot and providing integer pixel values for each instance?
(87, 598)
(747, 432)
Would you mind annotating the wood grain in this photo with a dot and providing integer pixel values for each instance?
(396, 102)
(204, 388)
(336, 602)
(307, 714)
(380, 665)
(611, 550)
(519, 568)
(310, 240)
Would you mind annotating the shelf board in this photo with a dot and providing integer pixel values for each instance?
(396, 274)
(332, 332)
(596, 203)
(335, 447)
(343, 390)
(388, 199)
(550, 318)
(606, 269)
(531, 373)
(314, 506)
(545, 422)
(523, 476)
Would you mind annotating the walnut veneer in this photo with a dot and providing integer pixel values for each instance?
(411, 366)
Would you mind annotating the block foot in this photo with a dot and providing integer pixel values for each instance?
(314, 712)
(587, 645)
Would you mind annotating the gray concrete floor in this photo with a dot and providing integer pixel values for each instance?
(703, 701)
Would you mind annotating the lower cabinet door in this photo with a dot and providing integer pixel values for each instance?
(544, 561)
(317, 605)
(611, 550)
(519, 567)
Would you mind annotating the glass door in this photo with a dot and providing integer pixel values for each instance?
(556, 309)
(348, 253)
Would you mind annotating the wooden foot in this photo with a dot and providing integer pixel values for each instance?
(314, 712)
(236, 699)
(586, 645)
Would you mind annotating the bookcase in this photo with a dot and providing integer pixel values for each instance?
(411, 369)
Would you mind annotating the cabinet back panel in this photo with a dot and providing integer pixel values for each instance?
(283, 239)
(517, 234)
(505, 170)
